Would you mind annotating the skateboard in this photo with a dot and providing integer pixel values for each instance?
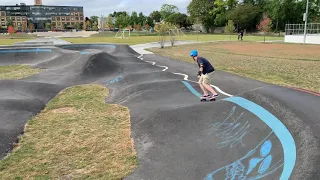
(202, 99)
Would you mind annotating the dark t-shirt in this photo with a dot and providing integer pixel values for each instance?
(207, 67)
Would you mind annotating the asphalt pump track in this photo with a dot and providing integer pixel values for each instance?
(252, 131)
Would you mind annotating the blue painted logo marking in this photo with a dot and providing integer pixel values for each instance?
(237, 169)
(24, 50)
(84, 52)
(283, 134)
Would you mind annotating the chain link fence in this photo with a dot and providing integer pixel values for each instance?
(298, 29)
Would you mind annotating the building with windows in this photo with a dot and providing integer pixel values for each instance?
(41, 16)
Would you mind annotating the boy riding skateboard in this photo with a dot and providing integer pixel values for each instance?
(205, 74)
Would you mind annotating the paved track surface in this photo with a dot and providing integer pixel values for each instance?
(253, 130)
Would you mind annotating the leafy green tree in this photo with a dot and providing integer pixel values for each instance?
(246, 16)
(200, 10)
(9, 23)
(94, 19)
(134, 18)
(65, 26)
(150, 22)
(167, 10)
(230, 28)
(156, 16)
(110, 23)
(141, 19)
(178, 19)
(122, 21)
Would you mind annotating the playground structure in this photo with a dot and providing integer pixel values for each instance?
(294, 33)
(123, 34)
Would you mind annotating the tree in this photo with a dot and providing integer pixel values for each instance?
(230, 28)
(122, 21)
(24, 26)
(178, 19)
(48, 25)
(94, 19)
(200, 10)
(142, 19)
(31, 26)
(149, 21)
(162, 30)
(167, 10)
(9, 23)
(156, 16)
(265, 26)
(245, 16)
(11, 30)
(65, 26)
(110, 22)
(134, 18)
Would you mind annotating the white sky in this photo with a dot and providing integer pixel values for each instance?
(104, 7)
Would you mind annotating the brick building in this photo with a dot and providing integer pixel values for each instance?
(41, 15)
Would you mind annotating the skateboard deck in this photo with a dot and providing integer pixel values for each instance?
(207, 99)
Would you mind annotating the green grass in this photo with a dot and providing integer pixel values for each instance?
(13, 38)
(139, 39)
(76, 136)
(17, 71)
(283, 64)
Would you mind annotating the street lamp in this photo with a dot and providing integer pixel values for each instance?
(305, 23)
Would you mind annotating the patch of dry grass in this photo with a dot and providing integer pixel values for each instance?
(283, 64)
(76, 136)
(17, 71)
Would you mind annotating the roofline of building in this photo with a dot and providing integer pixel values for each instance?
(38, 5)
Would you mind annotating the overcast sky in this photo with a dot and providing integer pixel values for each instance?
(104, 7)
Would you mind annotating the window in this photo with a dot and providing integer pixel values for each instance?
(19, 24)
(67, 18)
(8, 18)
(18, 19)
(72, 19)
(23, 19)
(62, 18)
(2, 19)
(53, 18)
(3, 14)
(3, 24)
(59, 23)
(72, 23)
(13, 18)
(68, 23)
(81, 18)
(77, 18)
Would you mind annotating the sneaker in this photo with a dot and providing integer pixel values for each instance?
(216, 95)
(205, 96)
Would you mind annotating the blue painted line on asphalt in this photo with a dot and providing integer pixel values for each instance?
(24, 50)
(283, 134)
(191, 89)
(84, 52)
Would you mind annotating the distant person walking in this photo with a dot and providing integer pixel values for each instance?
(240, 35)
(205, 74)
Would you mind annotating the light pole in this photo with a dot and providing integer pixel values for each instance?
(305, 23)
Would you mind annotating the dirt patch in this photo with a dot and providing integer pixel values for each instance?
(65, 110)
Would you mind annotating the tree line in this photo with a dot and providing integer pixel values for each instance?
(168, 13)
(249, 13)
(245, 15)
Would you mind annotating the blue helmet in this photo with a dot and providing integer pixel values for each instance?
(194, 53)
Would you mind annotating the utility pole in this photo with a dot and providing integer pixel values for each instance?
(305, 23)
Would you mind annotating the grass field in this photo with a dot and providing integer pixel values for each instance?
(76, 136)
(283, 64)
(17, 71)
(139, 39)
(11, 39)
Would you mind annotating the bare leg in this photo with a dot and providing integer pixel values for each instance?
(209, 88)
(205, 92)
